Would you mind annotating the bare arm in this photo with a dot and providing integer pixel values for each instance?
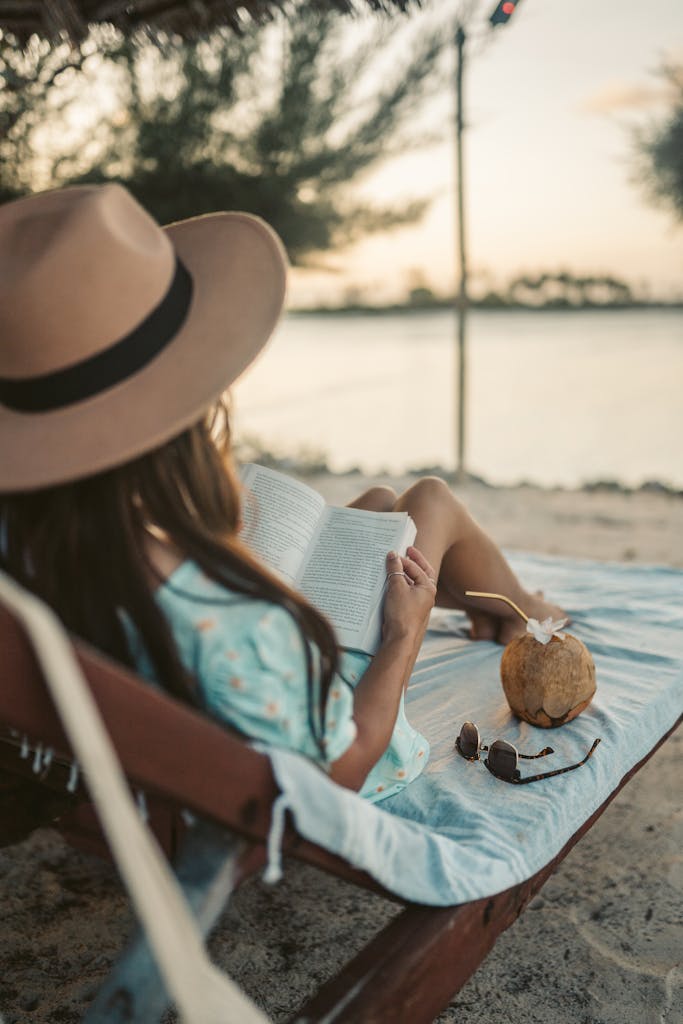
(409, 600)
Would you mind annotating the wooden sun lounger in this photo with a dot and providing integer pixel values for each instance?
(185, 762)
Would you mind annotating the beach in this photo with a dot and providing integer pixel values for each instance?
(602, 943)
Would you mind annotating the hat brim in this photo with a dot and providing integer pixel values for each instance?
(238, 267)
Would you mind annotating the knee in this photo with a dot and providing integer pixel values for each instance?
(377, 499)
(433, 490)
(382, 499)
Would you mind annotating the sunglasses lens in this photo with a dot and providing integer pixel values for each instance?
(469, 740)
(503, 759)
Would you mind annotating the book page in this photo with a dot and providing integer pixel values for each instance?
(345, 572)
(280, 516)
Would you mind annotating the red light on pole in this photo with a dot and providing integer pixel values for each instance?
(504, 10)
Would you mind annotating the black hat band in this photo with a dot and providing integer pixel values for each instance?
(114, 364)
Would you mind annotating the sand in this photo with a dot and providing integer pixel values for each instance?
(602, 943)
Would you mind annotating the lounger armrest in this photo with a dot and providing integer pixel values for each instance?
(165, 747)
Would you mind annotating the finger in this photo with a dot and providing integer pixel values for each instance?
(415, 572)
(395, 569)
(418, 557)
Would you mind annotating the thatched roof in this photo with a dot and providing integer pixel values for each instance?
(55, 18)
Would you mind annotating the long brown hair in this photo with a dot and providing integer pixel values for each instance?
(83, 548)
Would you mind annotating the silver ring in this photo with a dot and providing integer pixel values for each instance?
(396, 574)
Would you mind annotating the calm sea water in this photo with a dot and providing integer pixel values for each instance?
(553, 398)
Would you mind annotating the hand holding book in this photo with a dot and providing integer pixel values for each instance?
(411, 590)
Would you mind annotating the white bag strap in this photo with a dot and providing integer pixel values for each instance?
(202, 993)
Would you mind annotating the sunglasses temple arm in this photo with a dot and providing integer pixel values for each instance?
(558, 771)
(532, 757)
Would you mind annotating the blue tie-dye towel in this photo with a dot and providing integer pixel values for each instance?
(457, 833)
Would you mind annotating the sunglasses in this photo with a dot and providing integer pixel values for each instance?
(503, 757)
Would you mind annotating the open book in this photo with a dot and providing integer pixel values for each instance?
(336, 557)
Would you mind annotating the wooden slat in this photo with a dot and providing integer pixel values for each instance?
(165, 747)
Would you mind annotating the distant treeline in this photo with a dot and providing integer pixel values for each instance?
(561, 291)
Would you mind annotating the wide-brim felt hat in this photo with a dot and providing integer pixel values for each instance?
(117, 334)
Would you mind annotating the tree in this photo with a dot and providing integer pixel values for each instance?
(279, 130)
(34, 84)
(661, 149)
(563, 290)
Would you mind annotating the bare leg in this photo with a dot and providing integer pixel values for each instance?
(377, 499)
(466, 558)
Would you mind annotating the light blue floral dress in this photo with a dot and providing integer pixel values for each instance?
(248, 658)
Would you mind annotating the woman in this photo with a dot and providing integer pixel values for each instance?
(119, 504)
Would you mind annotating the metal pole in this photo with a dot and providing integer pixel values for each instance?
(461, 297)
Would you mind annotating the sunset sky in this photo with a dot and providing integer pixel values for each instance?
(551, 103)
